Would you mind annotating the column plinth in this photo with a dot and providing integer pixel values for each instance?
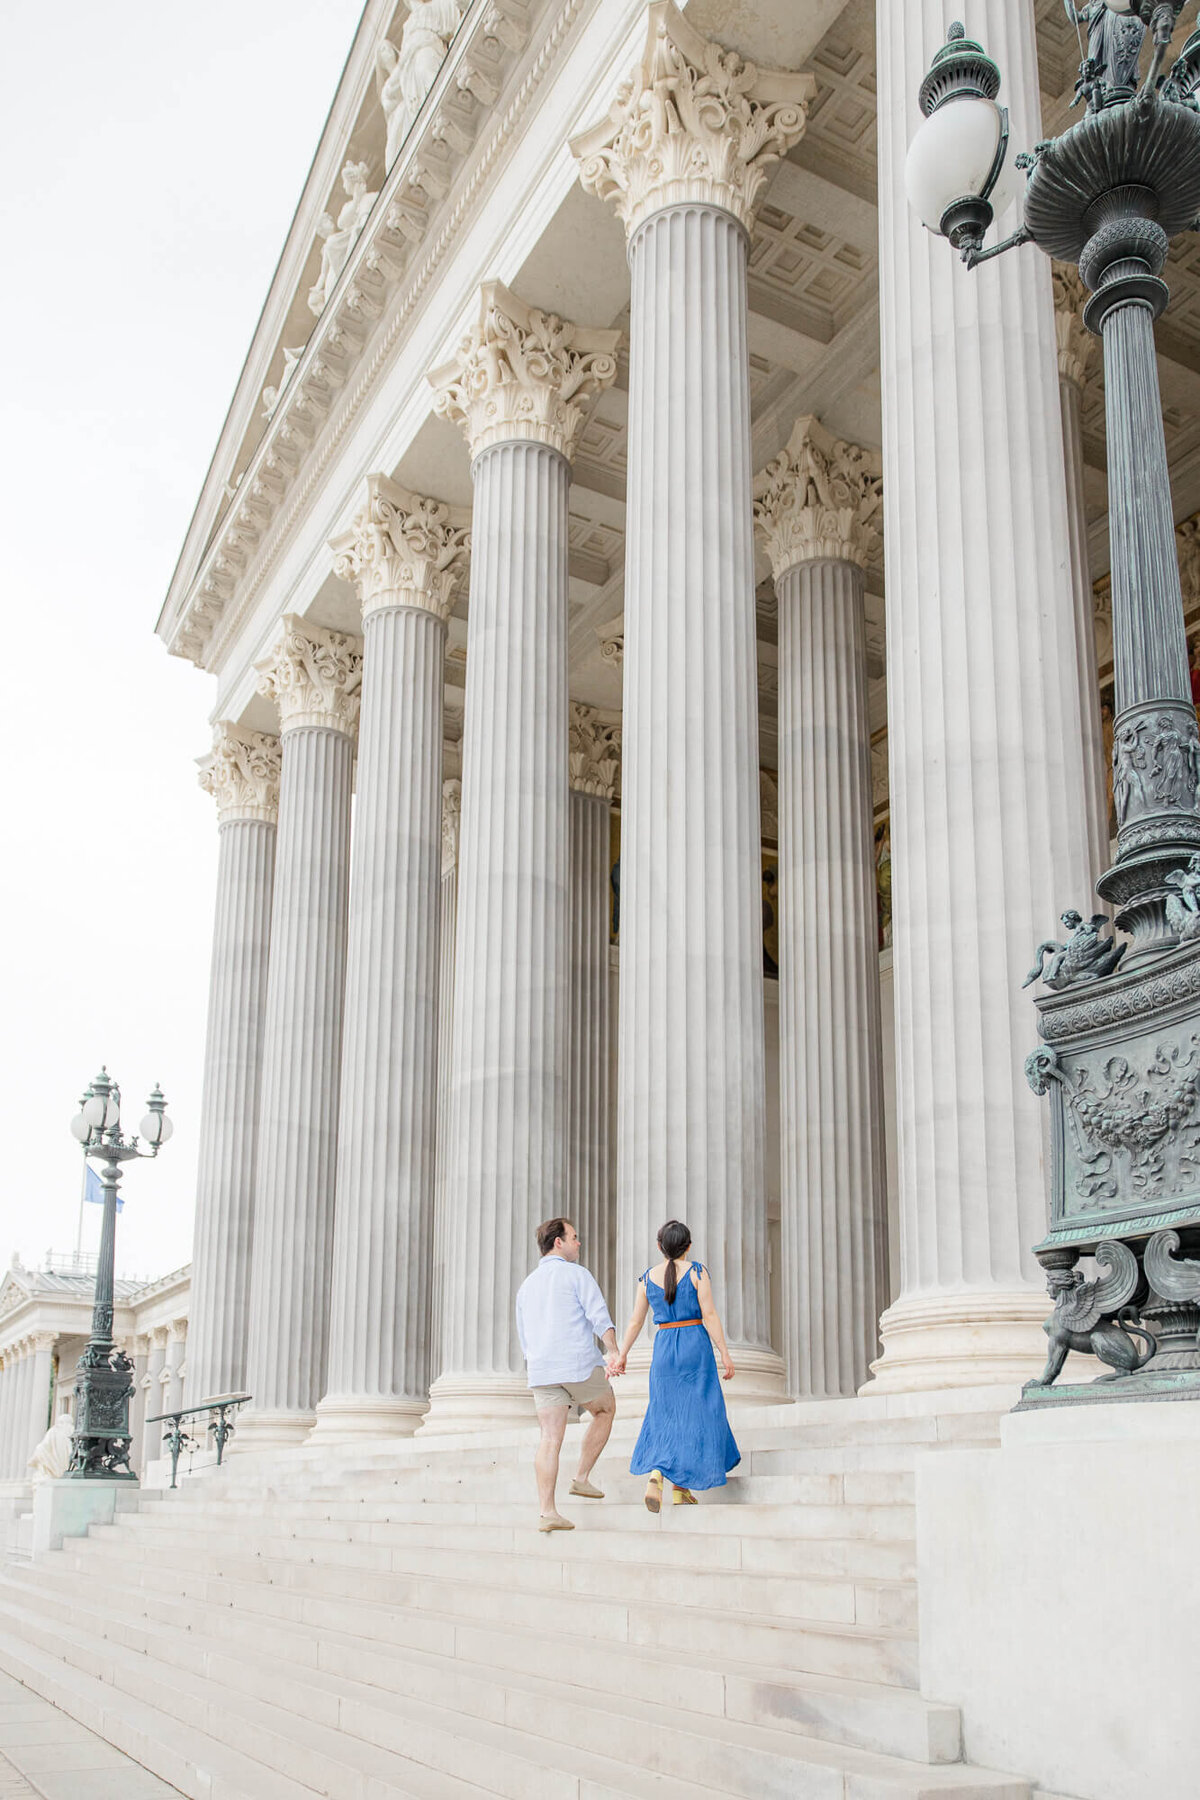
(517, 388)
(405, 553)
(818, 507)
(683, 156)
(242, 774)
(314, 677)
(988, 823)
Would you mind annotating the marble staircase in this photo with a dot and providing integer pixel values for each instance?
(367, 1622)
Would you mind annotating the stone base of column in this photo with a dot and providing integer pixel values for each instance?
(977, 1339)
(478, 1403)
(344, 1416)
(272, 1430)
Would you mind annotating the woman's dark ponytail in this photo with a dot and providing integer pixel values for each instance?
(673, 1240)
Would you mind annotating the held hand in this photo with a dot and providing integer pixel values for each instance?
(727, 1373)
(614, 1365)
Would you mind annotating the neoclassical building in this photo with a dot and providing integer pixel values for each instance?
(655, 605)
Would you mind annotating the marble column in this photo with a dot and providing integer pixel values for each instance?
(1076, 351)
(152, 1388)
(818, 508)
(989, 833)
(448, 909)
(10, 1379)
(517, 387)
(594, 763)
(685, 174)
(41, 1375)
(406, 555)
(242, 775)
(173, 1366)
(314, 676)
(137, 1405)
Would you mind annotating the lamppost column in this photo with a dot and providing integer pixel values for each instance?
(1076, 348)
(448, 911)
(989, 836)
(314, 676)
(517, 387)
(819, 507)
(406, 555)
(685, 169)
(242, 774)
(594, 765)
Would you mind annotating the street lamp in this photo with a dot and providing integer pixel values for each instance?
(1120, 1023)
(104, 1384)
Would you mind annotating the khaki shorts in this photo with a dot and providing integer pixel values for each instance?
(574, 1393)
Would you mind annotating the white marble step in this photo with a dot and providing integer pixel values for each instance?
(342, 1598)
(478, 1659)
(636, 1747)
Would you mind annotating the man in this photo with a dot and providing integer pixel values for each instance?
(560, 1314)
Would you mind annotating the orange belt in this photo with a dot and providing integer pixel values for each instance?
(674, 1324)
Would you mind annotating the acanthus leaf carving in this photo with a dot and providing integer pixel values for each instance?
(594, 751)
(820, 499)
(1076, 344)
(404, 549)
(241, 772)
(521, 373)
(451, 822)
(314, 676)
(692, 123)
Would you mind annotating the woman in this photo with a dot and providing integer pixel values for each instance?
(685, 1434)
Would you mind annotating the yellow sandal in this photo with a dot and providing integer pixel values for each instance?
(685, 1497)
(654, 1492)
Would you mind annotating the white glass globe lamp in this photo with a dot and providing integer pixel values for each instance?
(957, 174)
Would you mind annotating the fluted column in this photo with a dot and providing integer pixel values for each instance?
(41, 1371)
(313, 675)
(406, 554)
(818, 509)
(594, 763)
(137, 1405)
(152, 1404)
(516, 387)
(10, 1409)
(988, 820)
(1076, 351)
(684, 155)
(448, 908)
(242, 775)
(174, 1364)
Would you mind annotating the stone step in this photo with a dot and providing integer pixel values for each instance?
(475, 1658)
(636, 1747)
(393, 1603)
(653, 1542)
(539, 1566)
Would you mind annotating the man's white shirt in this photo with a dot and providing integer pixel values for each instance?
(560, 1314)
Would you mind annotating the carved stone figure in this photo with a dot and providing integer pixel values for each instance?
(271, 395)
(338, 238)
(405, 76)
(1183, 904)
(1114, 42)
(1093, 1317)
(1086, 956)
(52, 1458)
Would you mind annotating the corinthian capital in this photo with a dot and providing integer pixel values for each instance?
(241, 772)
(820, 500)
(692, 123)
(593, 751)
(314, 676)
(521, 373)
(1076, 344)
(403, 550)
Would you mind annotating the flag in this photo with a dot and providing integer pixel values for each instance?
(93, 1188)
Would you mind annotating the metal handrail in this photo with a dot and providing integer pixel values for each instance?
(223, 1405)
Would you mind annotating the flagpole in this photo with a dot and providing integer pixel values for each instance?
(79, 1227)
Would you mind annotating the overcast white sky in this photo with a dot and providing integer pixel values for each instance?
(154, 154)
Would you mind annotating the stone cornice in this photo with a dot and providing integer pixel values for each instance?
(404, 550)
(241, 772)
(693, 123)
(287, 462)
(313, 676)
(520, 373)
(593, 751)
(820, 500)
(1076, 344)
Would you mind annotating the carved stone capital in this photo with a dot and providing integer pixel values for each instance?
(820, 500)
(403, 550)
(692, 124)
(1076, 344)
(241, 772)
(593, 751)
(520, 373)
(314, 676)
(451, 822)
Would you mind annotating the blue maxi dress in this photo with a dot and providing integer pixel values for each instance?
(685, 1432)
